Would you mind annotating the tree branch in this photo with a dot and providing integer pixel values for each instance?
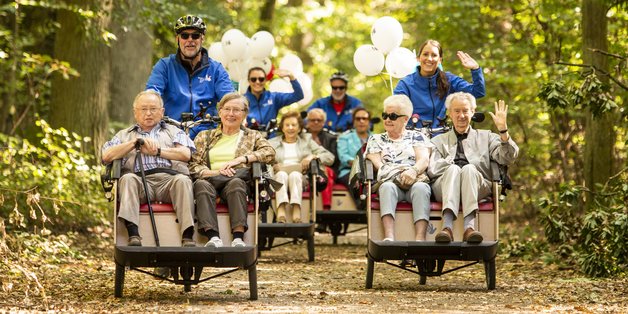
(607, 53)
(622, 85)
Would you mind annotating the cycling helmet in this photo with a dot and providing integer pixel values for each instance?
(339, 76)
(189, 22)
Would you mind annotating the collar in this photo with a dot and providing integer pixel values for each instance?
(136, 127)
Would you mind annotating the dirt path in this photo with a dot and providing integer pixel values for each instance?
(333, 283)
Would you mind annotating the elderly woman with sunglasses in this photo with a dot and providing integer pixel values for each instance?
(264, 105)
(401, 157)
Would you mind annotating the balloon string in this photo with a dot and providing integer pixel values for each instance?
(391, 86)
(383, 79)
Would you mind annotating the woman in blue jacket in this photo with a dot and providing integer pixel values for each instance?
(264, 105)
(429, 85)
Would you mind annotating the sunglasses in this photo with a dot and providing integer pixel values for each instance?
(361, 119)
(393, 116)
(338, 87)
(185, 36)
(257, 79)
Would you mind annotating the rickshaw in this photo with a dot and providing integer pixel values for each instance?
(161, 239)
(429, 257)
(269, 229)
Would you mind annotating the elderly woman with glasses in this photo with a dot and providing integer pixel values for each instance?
(401, 157)
(266, 104)
(221, 167)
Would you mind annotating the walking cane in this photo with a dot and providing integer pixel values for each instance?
(138, 159)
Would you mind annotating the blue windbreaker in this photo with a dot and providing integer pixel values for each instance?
(183, 92)
(337, 122)
(422, 92)
(269, 103)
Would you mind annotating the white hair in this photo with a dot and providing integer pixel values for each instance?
(402, 101)
(318, 111)
(461, 96)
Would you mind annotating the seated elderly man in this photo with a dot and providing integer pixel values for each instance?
(460, 163)
(165, 153)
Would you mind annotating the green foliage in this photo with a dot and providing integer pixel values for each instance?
(595, 240)
(50, 184)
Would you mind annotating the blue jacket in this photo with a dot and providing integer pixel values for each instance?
(349, 144)
(422, 92)
(269, 103)
(336, 122)
(183, 92)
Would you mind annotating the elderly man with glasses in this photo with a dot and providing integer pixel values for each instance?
(190, 81)
(165, 152)
(338, 106)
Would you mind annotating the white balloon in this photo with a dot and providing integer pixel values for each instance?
(237, 70)
(400, 62)
(263, 63)
(262, 44)
(291, 62)
(308, 94)
(234, 44)
(280, 85)
(386, 34)
(215, 52)
(243, 85)
(306, 85)
(368, 60)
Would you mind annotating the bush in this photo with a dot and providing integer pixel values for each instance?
(592, 238)
(51, 184)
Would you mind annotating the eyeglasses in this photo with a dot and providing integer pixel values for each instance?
(147, 110)
(361, 119)
(338, 87)
(185, 36)
(393, 116)
(233, 110)
(315, 120)
(257, 79)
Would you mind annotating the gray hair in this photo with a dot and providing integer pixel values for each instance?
(149, 92)
(402, 101)
(233, 96)
(461, 96)
(319, 111)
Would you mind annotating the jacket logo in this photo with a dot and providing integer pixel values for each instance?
(207, 78)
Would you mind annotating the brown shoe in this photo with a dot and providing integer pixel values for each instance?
(472, 236)
(135, 241)
(187, 242)
(444, 236)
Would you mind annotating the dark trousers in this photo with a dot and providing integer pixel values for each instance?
(233, 192)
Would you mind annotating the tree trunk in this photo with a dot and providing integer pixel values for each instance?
(266, 16)
(131, 62)
(79, 104)
(599, 134)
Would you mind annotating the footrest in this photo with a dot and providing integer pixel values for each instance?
(285, 230)
(140, 256)
(355, 216)
(461, 251)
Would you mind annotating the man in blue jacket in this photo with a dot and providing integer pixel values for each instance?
(189, 81)
(338, 106)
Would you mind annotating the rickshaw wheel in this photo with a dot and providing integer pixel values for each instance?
(119, 281)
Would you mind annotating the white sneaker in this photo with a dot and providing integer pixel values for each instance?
(214, 242)
(237, 242)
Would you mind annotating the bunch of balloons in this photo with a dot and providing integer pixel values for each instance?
(238, 54)
(386, 35)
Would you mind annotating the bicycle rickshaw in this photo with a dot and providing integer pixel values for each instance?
(269, 229)
(430, 257)
(161, 239)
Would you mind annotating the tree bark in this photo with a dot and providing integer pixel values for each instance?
(79, 104)
(267, 15)
(131, 62)
(599, 134)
